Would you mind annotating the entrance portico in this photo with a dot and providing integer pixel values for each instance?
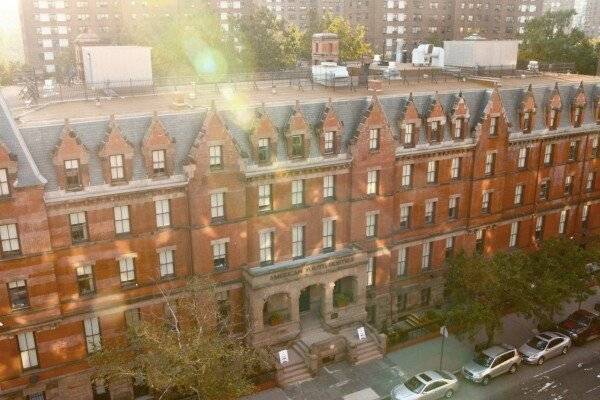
(330, 287)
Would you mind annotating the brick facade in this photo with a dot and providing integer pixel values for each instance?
(451, 204)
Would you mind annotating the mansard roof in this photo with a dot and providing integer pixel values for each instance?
(184, 127)
(28, 173)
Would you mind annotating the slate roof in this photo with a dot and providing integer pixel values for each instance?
(28, 173)
(184, 127)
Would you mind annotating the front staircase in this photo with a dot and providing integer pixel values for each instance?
(361, 352)
(296, 370)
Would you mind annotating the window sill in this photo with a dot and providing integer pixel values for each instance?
(6, 197)
(329, 199)
(76, 242)
(11, 255)
(328, 250)
(167, 278)
(118, 182)
(265, 263)
(217, 220)
(129, 285)
(87, 296)
(73, 189)
(262, 212)
(19, 310)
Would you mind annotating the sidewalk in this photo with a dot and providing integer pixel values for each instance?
(374, 380)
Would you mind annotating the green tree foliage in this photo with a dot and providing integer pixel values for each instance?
(481, 290)
(187, 351)
(549, 39)
(353, 45)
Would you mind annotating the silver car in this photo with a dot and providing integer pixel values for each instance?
(428, 385)
(492, 362)
(544, 346)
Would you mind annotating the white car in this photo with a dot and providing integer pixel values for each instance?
(544, 346)
(428, 385)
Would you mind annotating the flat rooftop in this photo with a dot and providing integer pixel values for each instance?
(242, 95)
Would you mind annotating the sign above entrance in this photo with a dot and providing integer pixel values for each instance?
(316, 268)
(362, 335)
(284, 357)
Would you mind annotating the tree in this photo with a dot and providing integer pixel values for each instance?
(188, 351)
(353, 45)
(550, 39)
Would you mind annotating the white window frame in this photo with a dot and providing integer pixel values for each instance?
(158, 161)
(371, 224)
(522, 158)
(562, 222)
(455, 168)
(402, 265)
(264, 197)
(490, 161)
(328, 142)
(28, 350)
(370, 271)
(408, 134)
(374, 139)
(217, 205)
(548, 152)
(215, 156)
(298, 241)
(127, 273)
(117, 168)
(298, 192)
(328, 186)
(432, 172)
(519, 194)
(166, 262)
(514, 233)
(486, 198)
(9, 238)
(266, 246)
(405, 214)
(372, 182)
(162, 210)
(93, 340)
(426, 256)
(4, 187)
(328, 235)
(121, 214)
(407, 175)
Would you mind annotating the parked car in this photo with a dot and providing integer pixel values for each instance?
(428, 385)
(492, 362)
(544, 346)
(581, 326)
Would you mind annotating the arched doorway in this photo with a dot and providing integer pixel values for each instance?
(344, 292)
(309, 305)
(276, 309)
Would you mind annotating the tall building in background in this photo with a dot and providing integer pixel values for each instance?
(590, 21)
(558, 5)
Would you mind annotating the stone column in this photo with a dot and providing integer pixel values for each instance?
(256, 313)
(327, 303)
(294, 305)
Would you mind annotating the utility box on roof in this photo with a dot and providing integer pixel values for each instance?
(117, 65)
(473, 53)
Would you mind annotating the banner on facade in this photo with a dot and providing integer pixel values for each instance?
(283, 356)
(362, 335)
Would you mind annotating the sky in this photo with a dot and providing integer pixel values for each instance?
(10, 32)
(9, 14)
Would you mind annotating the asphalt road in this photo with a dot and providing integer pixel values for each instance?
(574, 376)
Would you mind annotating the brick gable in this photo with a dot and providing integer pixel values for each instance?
(553, 106)
(528, 105)
(578, 105)
(460, 113)
(297, 126)
(435, 115)
(114, 143)
(263, 128)
(8, 161)
(157, 138)
(330, 123)
(70, 148)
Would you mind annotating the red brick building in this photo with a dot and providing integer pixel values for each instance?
(337, 212)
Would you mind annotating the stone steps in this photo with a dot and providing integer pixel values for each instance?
(296, 370)
(367, 351)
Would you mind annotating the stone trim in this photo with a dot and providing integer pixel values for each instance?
(219, 241)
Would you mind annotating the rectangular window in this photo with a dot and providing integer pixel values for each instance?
(158, 162)
(568, 188)
(329, 187)
(371, 225)
(449, 246)
(371, 271)
(27, 348)
(578, 114)
(328, 142)
(435, 132)
(72, 178)
(297, 146)
(264, 197)
(425, 297)
(297, 241)
(490, 163)
(328, 235)
(544, 189)
(216, 156)
(127, 270)
(264, 150)
(117, 170)
(494, 126)
(9, 238)
(79, 232)
(453, 207)
(132, 318)
(480, 240)
(432, 167)
(548, 153)
(407, 175)
(219, 250)
(405, 212)
(458, 128)
(522, 160)
(585, 210)
(122, 219)
(217, 205)
(519, 194)
(4, 188)
(166, 263)
(91, 328)
(573, 150)
(402, 267)
(163, 213)
(590, 181)
(553, 118)
(486, 202)
(455, 168)
(85, 280)
(374, 139)
(17, 293)
(37, 396)
(527, 122)
(373, 182)
(266, 247)
(562, 223)
(298, 192)
(539, 227)
(426, 256)
(514, 233)
(408, 135)
(596, 145)
(430, 207)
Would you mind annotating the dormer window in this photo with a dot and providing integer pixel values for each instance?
(374, 139)
(553, 119)
(578, 117)
(328, 142)
(435, 132)
(297, 146)
(494, 126)
(264, 150)
(158, 162)
(72, 176)
(216, 158)
(117, 170)
(4, 187)
(409, 135)
(458, 128)
(527, 121)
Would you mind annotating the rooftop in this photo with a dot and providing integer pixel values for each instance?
(245, 95)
